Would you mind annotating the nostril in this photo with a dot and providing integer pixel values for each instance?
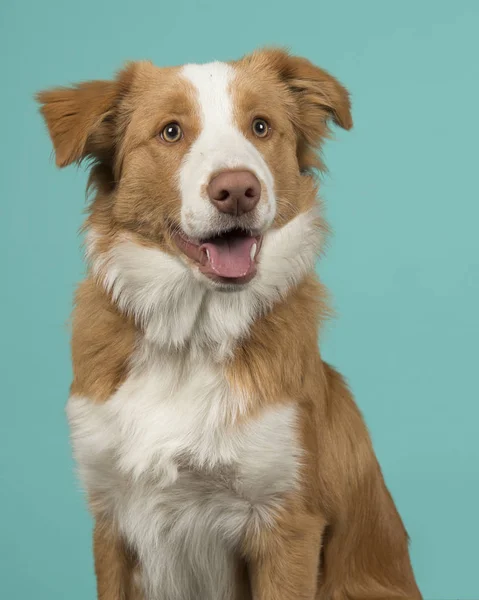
(250, 193)
(222, 195)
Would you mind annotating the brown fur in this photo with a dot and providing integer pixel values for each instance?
(339, 537)
(102, 343)
(115, 564)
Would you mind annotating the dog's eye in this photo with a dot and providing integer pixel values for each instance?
(171, 133)
(261, 128)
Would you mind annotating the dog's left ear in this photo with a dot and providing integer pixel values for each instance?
(317, 96)
(81, 119)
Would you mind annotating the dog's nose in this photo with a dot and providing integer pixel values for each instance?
(234, 192)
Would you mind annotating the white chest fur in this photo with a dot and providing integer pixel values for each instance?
(180, 474)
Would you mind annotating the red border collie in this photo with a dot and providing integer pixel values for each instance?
(221, 456)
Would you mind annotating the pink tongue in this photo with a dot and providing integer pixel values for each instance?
(230, 257)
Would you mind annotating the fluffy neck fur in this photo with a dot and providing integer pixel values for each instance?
(265, 335)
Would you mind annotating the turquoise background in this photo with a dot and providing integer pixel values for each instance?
(403, 266)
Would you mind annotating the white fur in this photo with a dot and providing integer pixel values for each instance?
(220, 145)
(175, 308)
(178, 472)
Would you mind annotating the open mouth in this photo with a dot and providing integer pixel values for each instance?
(230, 257)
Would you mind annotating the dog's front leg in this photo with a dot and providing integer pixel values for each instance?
(114, 565)
(283, 561)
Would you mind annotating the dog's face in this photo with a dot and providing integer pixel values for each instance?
(204, 159)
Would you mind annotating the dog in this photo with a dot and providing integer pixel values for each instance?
(221, 456)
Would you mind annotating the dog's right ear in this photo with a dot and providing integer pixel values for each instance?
(81, 119)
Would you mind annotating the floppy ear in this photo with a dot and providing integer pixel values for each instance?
(81, 119)
(318, 99)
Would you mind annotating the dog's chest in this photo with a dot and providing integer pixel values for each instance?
(168, 457)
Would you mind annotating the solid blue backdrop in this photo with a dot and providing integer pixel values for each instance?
(403, 265)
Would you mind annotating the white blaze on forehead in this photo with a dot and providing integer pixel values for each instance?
(220, 146)
(212, 83)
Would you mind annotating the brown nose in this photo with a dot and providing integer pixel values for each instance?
(234, 192)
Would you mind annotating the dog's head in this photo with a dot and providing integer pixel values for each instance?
(204, 159)
(204, 186)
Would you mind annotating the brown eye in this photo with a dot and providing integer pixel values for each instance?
(171, 133)
(261, 128)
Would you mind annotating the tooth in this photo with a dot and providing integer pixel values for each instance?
(253, 251)
(207, 254)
